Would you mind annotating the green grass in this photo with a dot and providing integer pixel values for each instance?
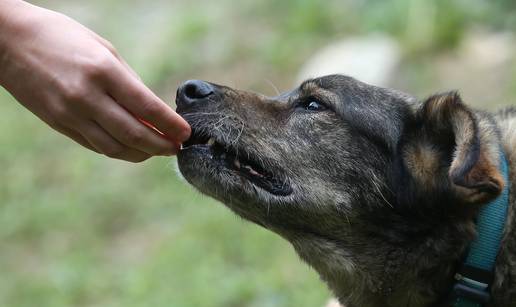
(78, 229)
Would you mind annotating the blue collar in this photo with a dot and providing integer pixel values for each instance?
(476, 274)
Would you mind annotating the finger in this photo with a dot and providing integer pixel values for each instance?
(107, 145)
(133, 95)
(114, 52)
(129, 131)
(128, 67)
(77, 137)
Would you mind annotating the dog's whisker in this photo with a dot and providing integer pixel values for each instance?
(241, 130)
(347, 218)
(273, 86)
(377, 187)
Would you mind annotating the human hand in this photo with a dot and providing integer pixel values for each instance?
(77, 83)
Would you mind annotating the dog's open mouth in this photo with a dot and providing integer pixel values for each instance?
(239, 162)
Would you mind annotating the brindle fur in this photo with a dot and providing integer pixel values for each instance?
(385, 188)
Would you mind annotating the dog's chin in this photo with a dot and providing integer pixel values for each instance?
(224, 172)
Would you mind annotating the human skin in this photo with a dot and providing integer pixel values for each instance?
(76, 82)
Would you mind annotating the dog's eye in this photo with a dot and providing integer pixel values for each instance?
(312, 105)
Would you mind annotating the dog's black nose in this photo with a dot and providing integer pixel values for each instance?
(192, 91)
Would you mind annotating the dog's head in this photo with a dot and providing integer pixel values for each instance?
(337, 165)
(285, 160)
(334, 145)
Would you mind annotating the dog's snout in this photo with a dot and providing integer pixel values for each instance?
(196, 89)
(193, 91)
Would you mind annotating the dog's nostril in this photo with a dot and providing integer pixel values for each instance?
(196, 89)
(191, 90)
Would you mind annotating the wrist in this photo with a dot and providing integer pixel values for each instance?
(9, 13)
(13, 20)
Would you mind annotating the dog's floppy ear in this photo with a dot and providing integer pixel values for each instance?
(448, 147)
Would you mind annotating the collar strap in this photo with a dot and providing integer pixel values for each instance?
(476, 273)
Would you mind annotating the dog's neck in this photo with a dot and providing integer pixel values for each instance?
(375, 271)
(380, 269)
(506, 268)
(507, 124)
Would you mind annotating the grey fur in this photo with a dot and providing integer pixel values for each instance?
(370, 199)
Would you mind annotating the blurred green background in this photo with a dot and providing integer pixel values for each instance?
(78, 229)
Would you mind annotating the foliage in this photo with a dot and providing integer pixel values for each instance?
(81, 230)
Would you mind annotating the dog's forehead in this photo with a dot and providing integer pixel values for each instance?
(333, 83)
(349, 86)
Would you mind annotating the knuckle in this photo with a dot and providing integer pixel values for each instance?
(74, 92)
(113, 151)
(98, 66)
(135, 137)
(67, 119)
(53, 121)
(110, 47)
(94, 69)
(151, 109)
(107, 44)
(59, 114)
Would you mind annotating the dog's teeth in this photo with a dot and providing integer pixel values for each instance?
(252, 171)
(211, 141)
(237, 163)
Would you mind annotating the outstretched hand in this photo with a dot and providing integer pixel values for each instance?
(77, 83)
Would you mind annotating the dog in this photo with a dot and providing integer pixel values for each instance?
(375, 189)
